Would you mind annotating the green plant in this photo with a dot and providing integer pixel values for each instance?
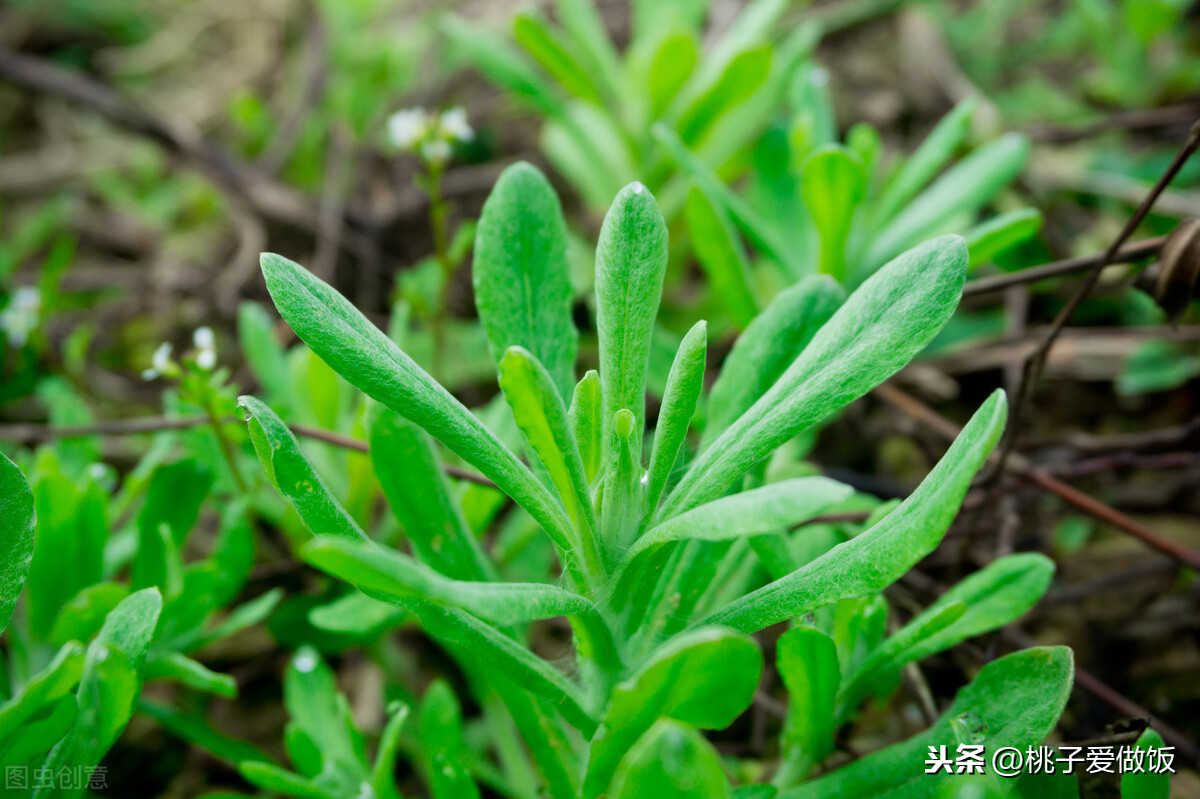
(665, 572)
(600, 104)
(813, 204)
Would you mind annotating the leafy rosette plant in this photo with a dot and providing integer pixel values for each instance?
(662, 554)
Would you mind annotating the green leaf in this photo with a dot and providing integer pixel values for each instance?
(704, 678)
(833, 183)
(719, 250)
(293, 476)
(887, 321)
(808, 665)
(272, 778)
(548, 49)
(631, 259)
(671, 761)
(540, 414)
(37, 699)
(359, 615)
(584, 24)
(410, 474)
(1145, 784)
(182, 669)
(522, 281)
(321, 726)
(684, 384)
(504, 65)
(1041, 785)
(395, 577)
(16, 536)
(383, 772)
(963, 189)
(493, 650)
(242, 617)
(68, 550)
(173, 501)
(670, 68)
(110, 682)
(934, 152)
(994, 596)
(195, 729)
(442, 747)
(584, 417)
(1017, 699)
(765, 349)
(741, 77)
(748, 513)
(875, 559)
(367, 358)
(988, 239)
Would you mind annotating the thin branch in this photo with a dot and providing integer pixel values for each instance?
(1068, 266)
(1037, 361)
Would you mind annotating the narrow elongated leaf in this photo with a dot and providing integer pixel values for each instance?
(540, 414)
(40, 694)
(671, 761)
(744, 74)
(994, 596)
(988, 239)
(110, 683)
(670, 68)
(322, 725)
(16, 536)
(503, 64)
(383, 771)
(293, 476)
(833, 183)
(808, 665)
(704, 678)
(719, 251)
(173, 501)
(522, 281)
(584, 24)
(1017, 699)
(765, 349)
(584, 416)
(964, 188)
(934, 152)
(417, 492)
(442, 746)
(547, 47)
(684, 383)
(631, 259)
(887, 321)
(491, 649)
(265, 356)
(755, 512)
(180, 668)
(362, 354)
(875, 559)
(393, 576)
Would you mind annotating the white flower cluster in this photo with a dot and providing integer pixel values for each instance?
(203, 353)
(20, 317)
(430, 134)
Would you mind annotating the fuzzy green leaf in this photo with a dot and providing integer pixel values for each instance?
(988, 239)
(368, 359)
(704, 678)
(719, 250)
(671, 761)
(765, 349)
(522, 281)
(395, 577)
(411, 476)
(631, 259)
(16, 536)
(584, 416)
(875, 559)
(547, 47)
(1017, 699)
(293, 476)
(833, 183)
(1146, 784)
(39, 696)
(684, 384)
(887, 321)
(808, 665)
(442, 747)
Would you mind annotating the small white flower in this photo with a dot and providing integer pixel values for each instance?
(160, 363)
(206, 348)
(437, 151)
(407, 127)
(20, 318)
(454, 124)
